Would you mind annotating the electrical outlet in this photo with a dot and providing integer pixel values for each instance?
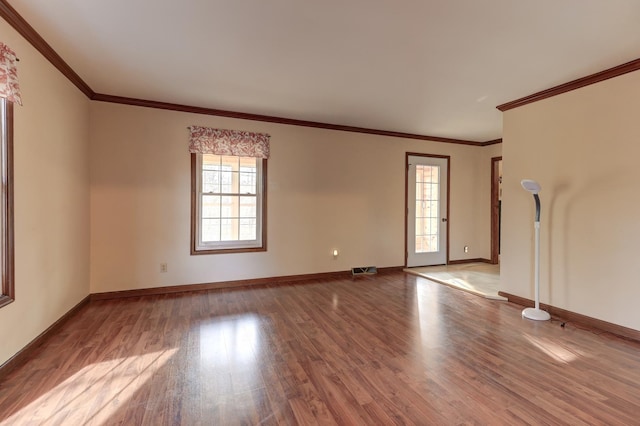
(163, 267)
(466, 249)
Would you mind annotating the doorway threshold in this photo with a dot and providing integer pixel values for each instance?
(480, 279)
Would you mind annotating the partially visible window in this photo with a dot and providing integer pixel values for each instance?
(228, 204)
(9, 94)
(6, 201)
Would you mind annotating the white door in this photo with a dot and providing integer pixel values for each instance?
(427, 180)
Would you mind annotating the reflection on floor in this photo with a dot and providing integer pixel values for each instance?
(480, 279)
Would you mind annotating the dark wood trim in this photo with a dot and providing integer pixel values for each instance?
(101, 97)
(390, 269)
(194, 195)
(27, 352)
(264, 204)
(523, 301)
(406, 198)
(254, 282)
(495, 210)
(573, 85)
(7, 268)
(406, 208)
(448, 205)
(9, 14)
(5, 299)
(13, 18)
(194, 215)
(570, 316)
(271, 119)
(463, 261)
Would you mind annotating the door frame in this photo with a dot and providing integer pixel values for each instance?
(495, 215)
(406, 198)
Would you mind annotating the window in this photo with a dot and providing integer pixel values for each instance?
(228, 204)
(6, 201)
(9, 94)
(427, 208)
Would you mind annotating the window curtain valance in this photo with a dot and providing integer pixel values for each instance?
(9, 88)
(205, 140)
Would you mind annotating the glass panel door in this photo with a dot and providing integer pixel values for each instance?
(427, 210)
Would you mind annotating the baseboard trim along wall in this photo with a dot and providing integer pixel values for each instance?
(27, 352)
(231, 284)
(569, 316)
(475, 260)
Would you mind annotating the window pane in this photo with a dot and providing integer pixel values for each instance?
(435, 174)
(433, 223)
(211, 173)
(210, 181)
(433, 209)
(226, 180)
(230, 170)
(230, 207)
(433, 243)
(247, 182)
(229, 229)
(248, 164)
(421, 244)
(210, 206)
(248, 230)
(210, 230)
(248, 207)
(427, 208)
(210, 162)
(433, 194)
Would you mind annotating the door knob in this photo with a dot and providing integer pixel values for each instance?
(444, 219)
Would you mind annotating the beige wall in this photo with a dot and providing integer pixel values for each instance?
(583, 147)
(326, 189)
(51, 199)
(102, 197)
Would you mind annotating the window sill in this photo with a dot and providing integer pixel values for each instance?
(5, 300)
(228, 250)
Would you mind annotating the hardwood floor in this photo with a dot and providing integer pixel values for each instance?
(386, 349)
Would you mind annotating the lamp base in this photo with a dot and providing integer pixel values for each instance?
(536, 314)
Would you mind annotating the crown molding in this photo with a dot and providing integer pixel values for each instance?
(101, 97)
(573, 85)
(14, 19)
(492, 142)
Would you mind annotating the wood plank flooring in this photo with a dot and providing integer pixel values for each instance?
(377, 350)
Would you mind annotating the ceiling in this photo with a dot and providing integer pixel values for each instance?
(427, 67)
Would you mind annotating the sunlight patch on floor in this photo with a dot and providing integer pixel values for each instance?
(94, 393)
(480, 279)
(552, 349)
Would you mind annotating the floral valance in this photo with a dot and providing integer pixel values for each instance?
(9, 88)
(205, 140)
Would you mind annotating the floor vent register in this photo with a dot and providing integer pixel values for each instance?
(364, 270)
